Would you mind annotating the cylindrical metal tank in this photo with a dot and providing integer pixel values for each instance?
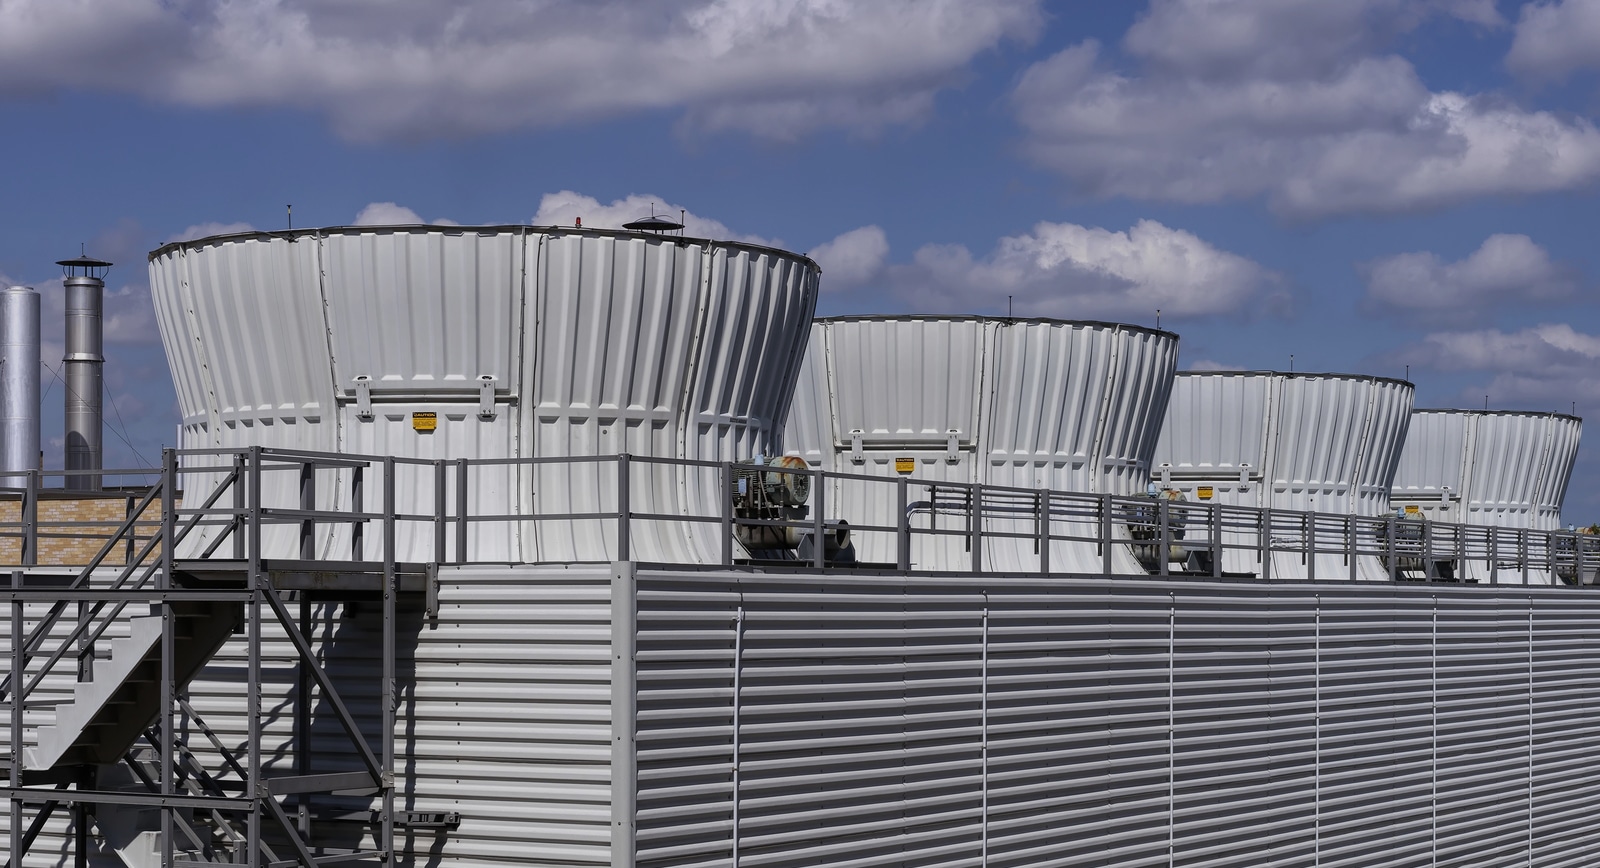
(523, 342)
(1026, 403)
(1309, 442)
(83, 369)
(19, 384)
(1488, 468)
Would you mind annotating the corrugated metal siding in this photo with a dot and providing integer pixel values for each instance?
(1035, 404)
(928, 720)
(655, 345)
(1215, 724)
(504, 716)
(1319, 442)
(808, 429)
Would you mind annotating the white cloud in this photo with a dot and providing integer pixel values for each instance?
(566, 207)
(1290, 102)
(207, 230)
(1066, 270)
(1545, 366)
(852, 259)
(386, 214)
(1277, 37)
(1211, 365)
(1555, 39)
(424, 69)
(1546, 348)
(1504, 269)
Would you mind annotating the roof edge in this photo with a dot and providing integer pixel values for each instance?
(1003, 320)
(452, 229)
(1376, 378)
(1466, 412)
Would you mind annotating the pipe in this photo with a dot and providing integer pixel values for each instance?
(19, 385)
(83, 366)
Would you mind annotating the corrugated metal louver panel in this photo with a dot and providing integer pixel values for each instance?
(904, 381)
(424, 310)
(882, 720)
(886, 720)
(504, 717)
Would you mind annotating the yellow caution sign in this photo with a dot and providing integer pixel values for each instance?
(1413, 509)
(905, 465)
(1203, 492)
(424, 421)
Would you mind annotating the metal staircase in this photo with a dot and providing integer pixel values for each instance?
(109, 711)
(119, 754)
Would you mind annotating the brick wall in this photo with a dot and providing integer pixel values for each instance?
(74, 526)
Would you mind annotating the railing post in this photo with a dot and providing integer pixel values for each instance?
(1216, 540)
(1165, 519)
(1550, 551)
(975, 525)
(1043, 542)
(624, 509)
(902, 536)
(1105, 534)
(390, 581)
(253, 663)
(819, 555)
(1265, 542)
(461, 510)
(1308, 536)
(239, 541)
(725, 511)
(1494, 555)
(1350, 546)
(18, 697)
(169, 523)
(440, 512)
(1523, 538)
(1429, 573)
(30, 521)
(1577, 544)
(308, 502)
(1390, 542)
(358, 503)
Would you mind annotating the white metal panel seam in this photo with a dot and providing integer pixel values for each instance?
(207, 378)
(1102, 420)
(624, 712)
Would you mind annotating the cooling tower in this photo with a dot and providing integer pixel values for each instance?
(1026, 404)
(494, 342)
(1500, 469)
(1324, 443)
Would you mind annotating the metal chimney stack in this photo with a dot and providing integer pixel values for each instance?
(85, 282)
(19, 385)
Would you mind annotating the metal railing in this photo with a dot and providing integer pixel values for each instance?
(135, 572)
(327, 506)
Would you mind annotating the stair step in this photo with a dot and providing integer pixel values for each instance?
(108, 712)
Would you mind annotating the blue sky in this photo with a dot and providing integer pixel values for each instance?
(1365, 184)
